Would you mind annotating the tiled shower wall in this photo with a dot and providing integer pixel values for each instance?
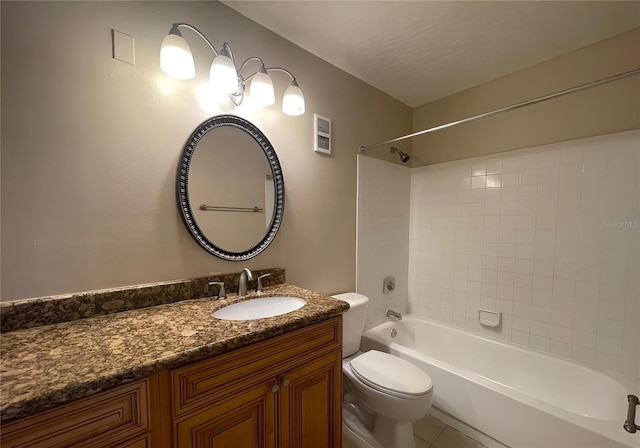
(383, 235)
(549, 236)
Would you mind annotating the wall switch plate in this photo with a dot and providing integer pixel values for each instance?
(388, 285)
(123, 49)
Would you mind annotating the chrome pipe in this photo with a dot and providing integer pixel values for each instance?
(508, 108)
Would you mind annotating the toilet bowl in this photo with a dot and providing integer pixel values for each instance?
(383, 394)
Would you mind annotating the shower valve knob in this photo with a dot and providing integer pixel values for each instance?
(388, 285)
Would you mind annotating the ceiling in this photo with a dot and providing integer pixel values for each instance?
(419, 51)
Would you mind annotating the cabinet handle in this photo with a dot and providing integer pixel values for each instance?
(275, 388)
(285, 383)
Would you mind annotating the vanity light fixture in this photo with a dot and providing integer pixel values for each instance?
(176, 60)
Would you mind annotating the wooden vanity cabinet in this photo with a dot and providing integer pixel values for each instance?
(117, 418)
(283, 392)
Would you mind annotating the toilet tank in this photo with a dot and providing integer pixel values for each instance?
(353, 321)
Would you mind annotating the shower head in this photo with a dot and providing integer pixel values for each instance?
(403, 155)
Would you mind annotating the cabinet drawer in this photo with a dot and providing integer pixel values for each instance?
(94, 422)
(198, 384)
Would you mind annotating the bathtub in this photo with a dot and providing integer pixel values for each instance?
(519, 397)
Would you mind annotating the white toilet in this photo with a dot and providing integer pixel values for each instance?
(383, 393)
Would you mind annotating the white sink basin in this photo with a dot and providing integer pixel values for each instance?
(259, 308)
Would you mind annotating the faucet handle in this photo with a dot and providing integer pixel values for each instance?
(221, 293)
(259, 288)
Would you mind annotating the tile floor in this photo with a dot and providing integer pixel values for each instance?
(432, 433)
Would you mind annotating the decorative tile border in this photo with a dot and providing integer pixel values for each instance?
(29, 313)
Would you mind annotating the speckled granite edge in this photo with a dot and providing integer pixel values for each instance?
(29, 313)
(45, 367)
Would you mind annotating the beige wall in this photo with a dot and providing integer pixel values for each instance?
(601, 110)
(90, 147)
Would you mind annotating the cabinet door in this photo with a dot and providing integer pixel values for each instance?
(143, 441)
(247, 420)
(310, 404)
(100, 421)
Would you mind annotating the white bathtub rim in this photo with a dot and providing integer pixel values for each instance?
(627, 381)
(611, 429)
(608, 428)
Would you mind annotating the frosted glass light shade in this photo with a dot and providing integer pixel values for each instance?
(223, 74)
(175, 57)
(261, 89)
(293, 100)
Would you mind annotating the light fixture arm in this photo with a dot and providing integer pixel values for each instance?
(280, 69)
(225, 46)
(176, 26)
(176, 60)
(244, 64)
(238, 96)
(262, 66)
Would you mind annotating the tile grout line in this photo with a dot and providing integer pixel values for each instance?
(434, 439)
(439, 434)
(432, 444)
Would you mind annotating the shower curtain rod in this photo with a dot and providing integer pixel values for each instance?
(508, 108)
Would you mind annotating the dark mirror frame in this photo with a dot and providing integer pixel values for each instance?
(183, 183)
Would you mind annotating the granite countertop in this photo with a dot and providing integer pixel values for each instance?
(47, 366)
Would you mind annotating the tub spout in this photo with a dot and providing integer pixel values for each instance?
(630, 424)
(394, 315)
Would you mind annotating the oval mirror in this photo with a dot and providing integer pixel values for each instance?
(230, 188)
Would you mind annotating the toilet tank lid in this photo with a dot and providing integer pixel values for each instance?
(352, 298)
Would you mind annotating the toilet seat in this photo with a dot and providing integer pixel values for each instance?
(391, 375)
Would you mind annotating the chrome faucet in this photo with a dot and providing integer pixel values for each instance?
(393, 315)
(242, 284)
